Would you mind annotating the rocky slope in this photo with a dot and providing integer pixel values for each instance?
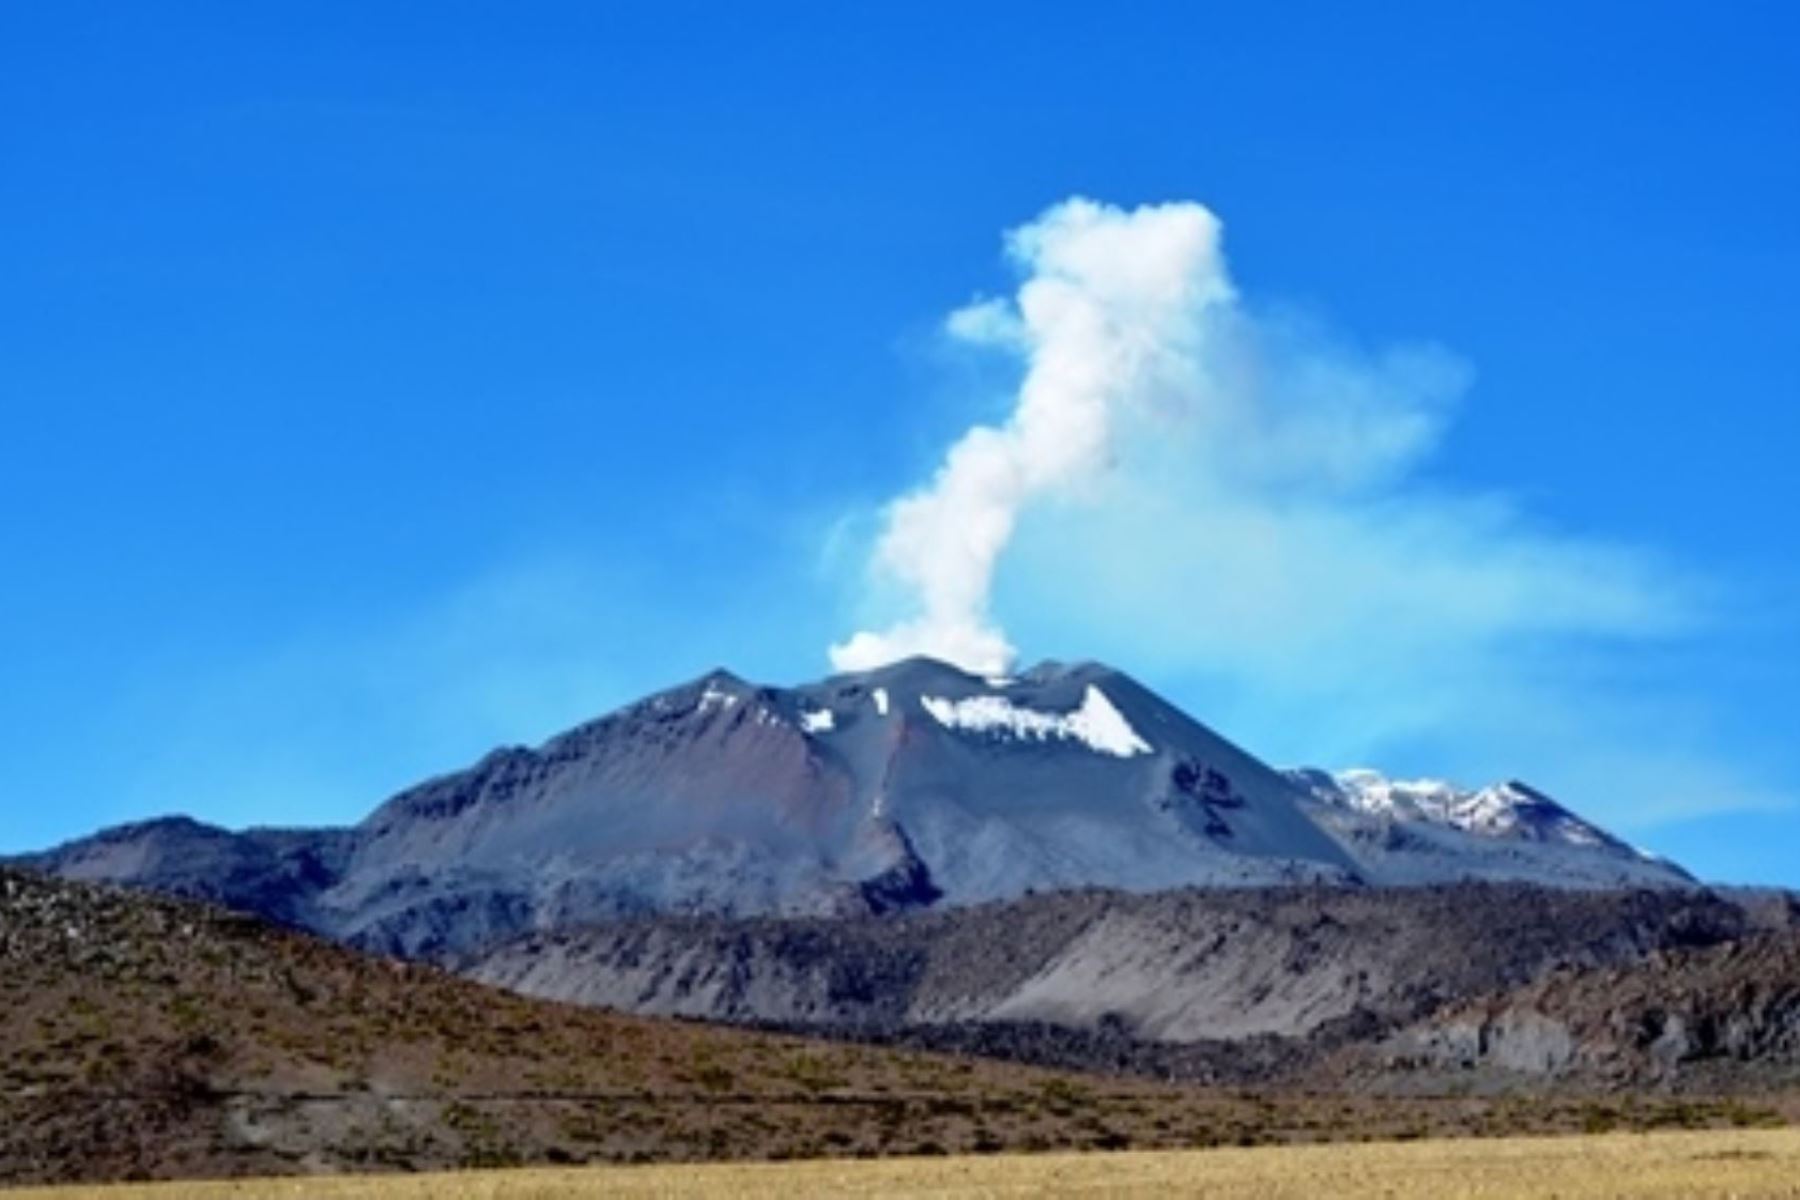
(1706, 1015)
(1186, 967)
(912, 786)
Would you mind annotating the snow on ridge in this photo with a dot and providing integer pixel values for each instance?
(1435, 800)
(1096, 724)
(1498, 810)
(712, 698)
(1370, 791)
(881, 701)
(821, 720)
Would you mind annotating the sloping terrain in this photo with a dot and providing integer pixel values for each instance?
(913, 786)
(1771, 910)
(149, 1038)
(1183, 967)
(1702, 1015)
(274, 873)
(154, 1038)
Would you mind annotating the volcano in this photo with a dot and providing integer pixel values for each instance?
(911, 786)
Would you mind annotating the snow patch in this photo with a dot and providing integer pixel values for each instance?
(712, 698)
(881, 701)
(1097, 724)
(820, 721)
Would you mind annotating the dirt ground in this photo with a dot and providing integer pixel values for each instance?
(1734, 1163)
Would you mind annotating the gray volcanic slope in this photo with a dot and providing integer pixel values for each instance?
(895, 789)
(1174, 967)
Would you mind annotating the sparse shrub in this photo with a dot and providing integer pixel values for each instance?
(715, 1078)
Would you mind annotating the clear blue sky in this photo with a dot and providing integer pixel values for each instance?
(384, 381)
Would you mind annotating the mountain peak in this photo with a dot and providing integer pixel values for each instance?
(1051, 669)
(917, 671)
(925, 670)
(863, 792)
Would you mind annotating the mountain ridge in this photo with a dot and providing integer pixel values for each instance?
(909, 786)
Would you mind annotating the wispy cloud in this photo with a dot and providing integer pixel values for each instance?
(321, 726)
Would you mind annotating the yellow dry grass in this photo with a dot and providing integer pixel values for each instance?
(1736, 1163)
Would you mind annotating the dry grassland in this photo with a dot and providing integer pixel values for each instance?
(1735, 1163)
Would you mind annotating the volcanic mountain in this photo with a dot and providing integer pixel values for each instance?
(900, 788)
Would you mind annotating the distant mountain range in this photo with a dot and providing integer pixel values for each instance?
(909, 787)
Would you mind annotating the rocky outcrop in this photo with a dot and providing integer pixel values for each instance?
(1678, 1013)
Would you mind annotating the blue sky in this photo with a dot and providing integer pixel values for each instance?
(383, 382)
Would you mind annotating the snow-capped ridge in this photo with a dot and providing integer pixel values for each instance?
(1510, 809)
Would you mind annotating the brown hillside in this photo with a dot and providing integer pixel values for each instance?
(155, 1038)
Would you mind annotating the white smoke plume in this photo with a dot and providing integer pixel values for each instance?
(1233, 498)
(1112, 312)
